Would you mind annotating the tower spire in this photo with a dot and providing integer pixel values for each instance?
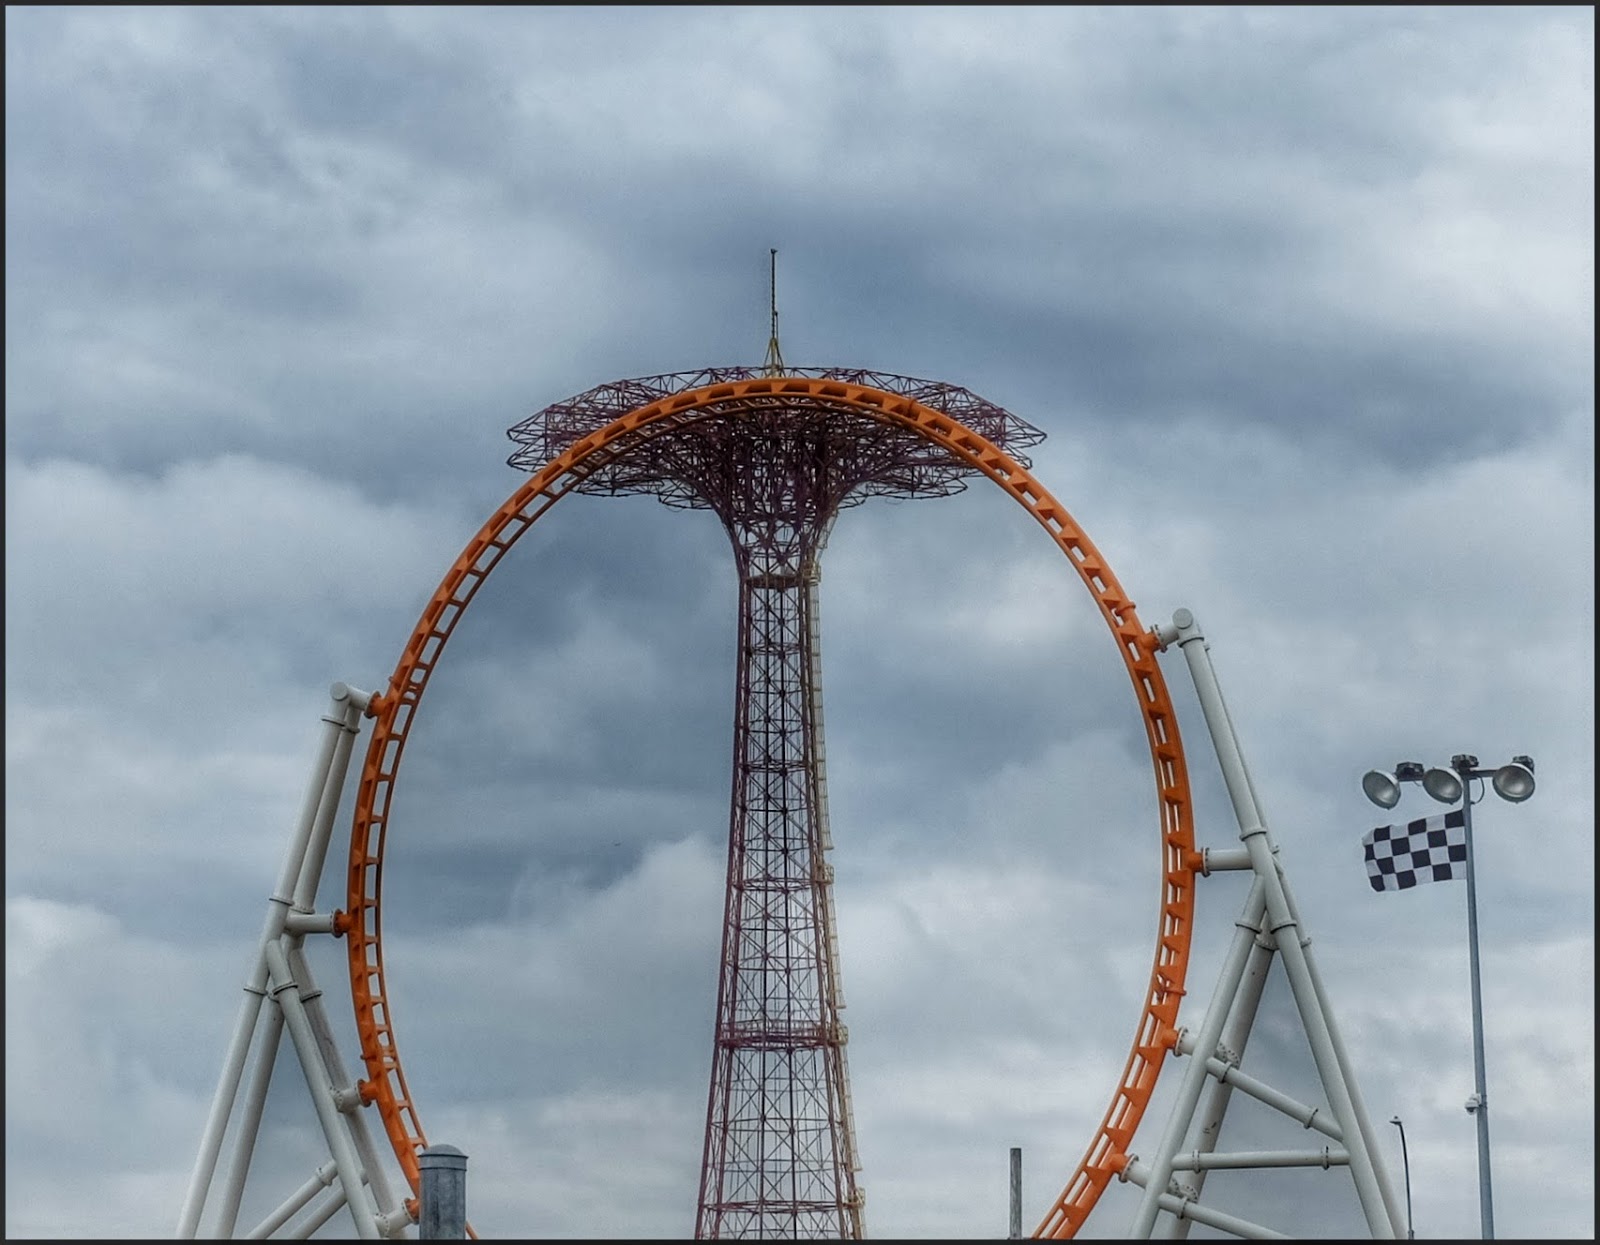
(773, 366)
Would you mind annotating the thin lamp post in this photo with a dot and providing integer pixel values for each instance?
(1464, 765)
(1405, 1159)
(1514, 782)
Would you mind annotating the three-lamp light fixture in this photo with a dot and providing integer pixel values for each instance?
(1512, 781)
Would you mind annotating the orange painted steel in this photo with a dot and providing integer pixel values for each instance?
(394, 710)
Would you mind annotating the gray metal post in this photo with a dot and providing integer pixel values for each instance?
(255, 988)
(1485, 1196)
(1016, 1193)
(286, 990)
(442, 1215)
(1405, 1158)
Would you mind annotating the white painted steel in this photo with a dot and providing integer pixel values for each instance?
(1194, 1075)
(1376, 1198)
(308, 923)
(392, 1215)
(295, 920)
(1199, 1162)
(394, 1224)
(1316, 973)
(287, 992)
(322, 1179)
(389, 1207)
(1301, 1113)
(296, 1003)
(1186, 1208)
(344, 714)
(1220, 1220)
(244, 1027)
(305, 891)
(1235, 1036)
(347, 1097)
(1391, 1198)
(1218, 859)
(333, 1202)
(248, 1127)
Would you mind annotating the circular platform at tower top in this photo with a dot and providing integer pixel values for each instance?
(869, 458)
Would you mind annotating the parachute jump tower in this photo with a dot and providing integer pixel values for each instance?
(776, 468)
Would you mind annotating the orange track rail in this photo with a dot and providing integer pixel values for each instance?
(394, 711)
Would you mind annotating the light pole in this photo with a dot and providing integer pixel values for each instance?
(1411, 1232)
(1512, 781)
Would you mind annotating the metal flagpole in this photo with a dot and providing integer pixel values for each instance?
(1479, 1106)
(1512, 782)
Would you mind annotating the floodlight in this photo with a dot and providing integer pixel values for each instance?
(1382, 788)
(1514, 781)
(1442, 785)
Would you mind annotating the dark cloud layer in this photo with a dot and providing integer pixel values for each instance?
(1303, 299)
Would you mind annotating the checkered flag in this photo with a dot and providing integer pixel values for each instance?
(1432, 849)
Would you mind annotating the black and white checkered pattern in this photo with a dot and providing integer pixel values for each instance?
(1432, 849)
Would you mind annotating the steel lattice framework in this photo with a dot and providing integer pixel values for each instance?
(776, 467)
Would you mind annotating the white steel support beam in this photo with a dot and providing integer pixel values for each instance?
(345, 713)
(1363, 1120)
(332, 1203)
(1245, 931)
(391, 1213)
(287, 992)
(1234, 1005)
(321, 1179)
(355, 1170)
(1200, 1162)
(248, 1128)
(244, 1027)
(1214, 1105)
(1301, 1113)
(349, 709)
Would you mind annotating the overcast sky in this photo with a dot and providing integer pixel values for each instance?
(1304, 301)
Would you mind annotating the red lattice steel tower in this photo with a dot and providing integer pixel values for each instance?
(780, 1154)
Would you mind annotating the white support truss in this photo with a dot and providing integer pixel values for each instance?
(1269, 927)
(279, 993)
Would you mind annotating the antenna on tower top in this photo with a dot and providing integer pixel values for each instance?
(773, 366)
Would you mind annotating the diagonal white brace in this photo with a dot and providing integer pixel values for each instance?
(287, 992)
(1281, 924)
(335, 724)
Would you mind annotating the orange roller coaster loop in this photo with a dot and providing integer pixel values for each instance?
(394, 710)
